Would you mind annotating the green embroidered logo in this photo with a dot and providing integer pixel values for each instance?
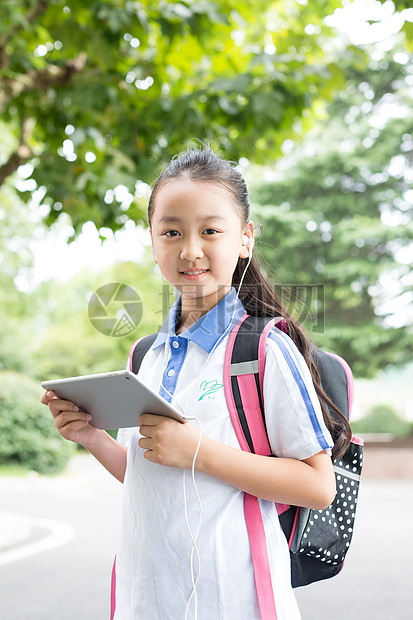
(208, 388)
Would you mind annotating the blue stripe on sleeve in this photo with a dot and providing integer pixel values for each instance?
(292, 364)
(299, 360)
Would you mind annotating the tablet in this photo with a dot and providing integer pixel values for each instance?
(113, 399)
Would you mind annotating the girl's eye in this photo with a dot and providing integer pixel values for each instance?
(171, 233)
(210, 231)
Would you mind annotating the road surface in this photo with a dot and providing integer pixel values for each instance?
(61, 569)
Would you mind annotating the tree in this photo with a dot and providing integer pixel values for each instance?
(98, 92)
(17, 228)
(29, 438)
(338, 213)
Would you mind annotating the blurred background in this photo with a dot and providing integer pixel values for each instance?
(314, 101)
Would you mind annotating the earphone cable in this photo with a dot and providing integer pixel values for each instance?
(193, 537)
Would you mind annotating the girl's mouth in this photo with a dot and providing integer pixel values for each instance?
(193, 274)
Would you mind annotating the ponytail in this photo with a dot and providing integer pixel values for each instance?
(259, 298)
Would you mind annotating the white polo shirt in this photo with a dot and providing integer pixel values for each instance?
(153, 558)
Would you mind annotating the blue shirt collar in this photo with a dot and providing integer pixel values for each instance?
(207, 330)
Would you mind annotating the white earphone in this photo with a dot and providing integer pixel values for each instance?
(246, 241)
(154, 255)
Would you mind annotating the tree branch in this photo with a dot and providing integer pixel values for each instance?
(21, 154)
(53, 75)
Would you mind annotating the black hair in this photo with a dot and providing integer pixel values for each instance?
(257, 295)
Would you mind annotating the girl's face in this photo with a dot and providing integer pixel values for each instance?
(197, 239)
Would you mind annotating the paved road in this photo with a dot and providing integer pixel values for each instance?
(74, 524)
(70, 581)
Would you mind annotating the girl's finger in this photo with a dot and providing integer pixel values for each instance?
(146, 431)
(70, 428)
(148, 419)
(72, 416)
(66, 418)
(47, 397)
(57, 406)
(144, 443)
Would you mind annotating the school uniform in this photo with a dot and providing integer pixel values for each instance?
(153, 559)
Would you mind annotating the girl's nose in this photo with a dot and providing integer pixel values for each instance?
(191, 250)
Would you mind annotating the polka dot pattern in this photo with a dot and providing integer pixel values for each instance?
(325, 535)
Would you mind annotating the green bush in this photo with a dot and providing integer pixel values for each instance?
(382, 419)
(27, 434)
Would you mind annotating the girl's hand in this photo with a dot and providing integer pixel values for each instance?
(70, 422)
(168, 442)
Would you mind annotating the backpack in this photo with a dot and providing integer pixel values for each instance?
(318, 540)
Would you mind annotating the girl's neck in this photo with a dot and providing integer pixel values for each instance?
(188, 316)
(193, 308)
(185, 322)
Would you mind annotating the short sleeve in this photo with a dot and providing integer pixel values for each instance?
(294, 419)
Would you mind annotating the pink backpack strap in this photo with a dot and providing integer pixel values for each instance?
(241, 377)
(258, 545)
(113, 592)
(228, 389)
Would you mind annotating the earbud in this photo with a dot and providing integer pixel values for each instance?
(246, 241)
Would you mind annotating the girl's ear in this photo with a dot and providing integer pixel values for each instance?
(247, 241)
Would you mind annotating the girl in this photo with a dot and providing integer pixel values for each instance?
(202, 238)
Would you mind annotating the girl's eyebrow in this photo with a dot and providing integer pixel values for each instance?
(174, 219)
